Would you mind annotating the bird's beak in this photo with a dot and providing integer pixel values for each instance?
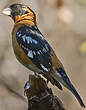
(7, 11)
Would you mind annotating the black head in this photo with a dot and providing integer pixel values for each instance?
(16, 10)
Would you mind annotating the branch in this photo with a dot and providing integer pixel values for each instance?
(39, 96)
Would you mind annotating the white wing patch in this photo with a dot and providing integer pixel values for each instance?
(19, 34)
(24, 47)
(29, 39)
(35, 41)
(30, 54)
(23, 38)
(44, 68)
(58, 74)
(38, 34)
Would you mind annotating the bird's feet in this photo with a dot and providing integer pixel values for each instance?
(37, 74)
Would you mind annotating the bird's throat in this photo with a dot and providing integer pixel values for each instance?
(30, 20)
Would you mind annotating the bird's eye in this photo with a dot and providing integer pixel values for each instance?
(26, 12)
(23, 8)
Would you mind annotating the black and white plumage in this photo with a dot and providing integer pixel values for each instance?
(35, 46)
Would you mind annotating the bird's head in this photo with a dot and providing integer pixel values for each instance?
(19, 12)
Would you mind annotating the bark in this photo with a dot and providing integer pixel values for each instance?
(39, 96)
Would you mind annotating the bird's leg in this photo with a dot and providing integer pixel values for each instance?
(47, 81)
(37, 74)
(44, 76)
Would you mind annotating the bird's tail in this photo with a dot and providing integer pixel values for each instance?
(63, 78)
(57, 84)
(73, 90)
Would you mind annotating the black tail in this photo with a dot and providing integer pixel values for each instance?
(66, 82)
(73, 90)
(56, 83)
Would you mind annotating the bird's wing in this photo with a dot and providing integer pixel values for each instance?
(35, 46)
(37, 49)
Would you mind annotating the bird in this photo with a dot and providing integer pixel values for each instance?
(33, 51)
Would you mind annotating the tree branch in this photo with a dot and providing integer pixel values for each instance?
(39, 96)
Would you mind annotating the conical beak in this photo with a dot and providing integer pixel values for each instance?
(7, 11)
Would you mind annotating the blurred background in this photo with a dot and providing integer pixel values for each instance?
(63, 23)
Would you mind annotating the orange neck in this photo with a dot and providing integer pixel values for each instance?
(25, 19)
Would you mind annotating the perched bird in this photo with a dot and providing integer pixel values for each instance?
(33, 51)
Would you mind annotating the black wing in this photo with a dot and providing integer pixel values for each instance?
(35, 46)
